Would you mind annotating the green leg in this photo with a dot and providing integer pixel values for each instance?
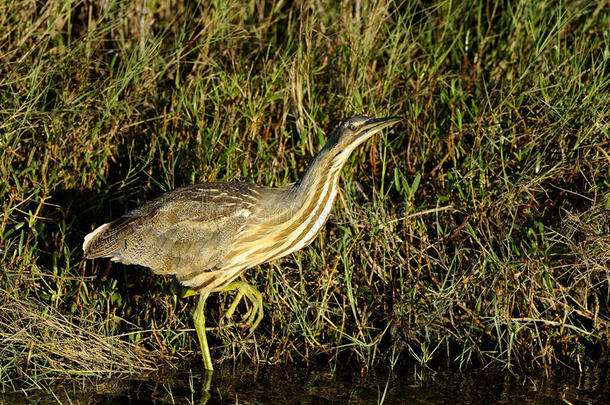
(255, 314)
(199, 320)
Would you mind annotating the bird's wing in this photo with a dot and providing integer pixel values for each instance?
(182, 231)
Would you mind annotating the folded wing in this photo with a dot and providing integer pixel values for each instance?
(180, 232)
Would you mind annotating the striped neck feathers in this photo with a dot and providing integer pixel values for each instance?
(324, 168)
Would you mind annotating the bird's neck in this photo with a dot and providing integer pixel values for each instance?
(294, 215)
(320, 178)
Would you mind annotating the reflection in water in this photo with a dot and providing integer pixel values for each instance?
(275, 385)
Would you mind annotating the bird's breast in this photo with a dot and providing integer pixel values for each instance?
(277, 233)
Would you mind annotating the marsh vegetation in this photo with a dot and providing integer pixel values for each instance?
(477, 232)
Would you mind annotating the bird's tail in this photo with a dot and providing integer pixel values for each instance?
(100, 242)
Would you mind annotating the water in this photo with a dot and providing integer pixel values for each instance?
(275, 385)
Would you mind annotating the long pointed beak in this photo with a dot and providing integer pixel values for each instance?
(377, 124)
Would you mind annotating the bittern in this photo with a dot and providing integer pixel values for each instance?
(208, 234)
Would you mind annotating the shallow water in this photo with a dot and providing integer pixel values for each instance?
(274, 385)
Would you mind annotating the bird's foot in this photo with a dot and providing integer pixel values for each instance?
(187, 292)
(255, 313)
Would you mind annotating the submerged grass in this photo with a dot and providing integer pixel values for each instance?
(478, 232)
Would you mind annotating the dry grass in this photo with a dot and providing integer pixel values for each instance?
(44, 345)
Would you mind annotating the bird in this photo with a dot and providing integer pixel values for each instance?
(207, 235)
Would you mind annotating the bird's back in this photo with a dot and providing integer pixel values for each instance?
(187, 230)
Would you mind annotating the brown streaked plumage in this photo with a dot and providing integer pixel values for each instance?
(207, 234)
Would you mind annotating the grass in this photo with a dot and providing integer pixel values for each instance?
(476, 233)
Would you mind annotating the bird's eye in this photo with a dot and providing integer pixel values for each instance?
(352, 127)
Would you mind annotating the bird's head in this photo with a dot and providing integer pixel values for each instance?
(354, 131)
(351, 133)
